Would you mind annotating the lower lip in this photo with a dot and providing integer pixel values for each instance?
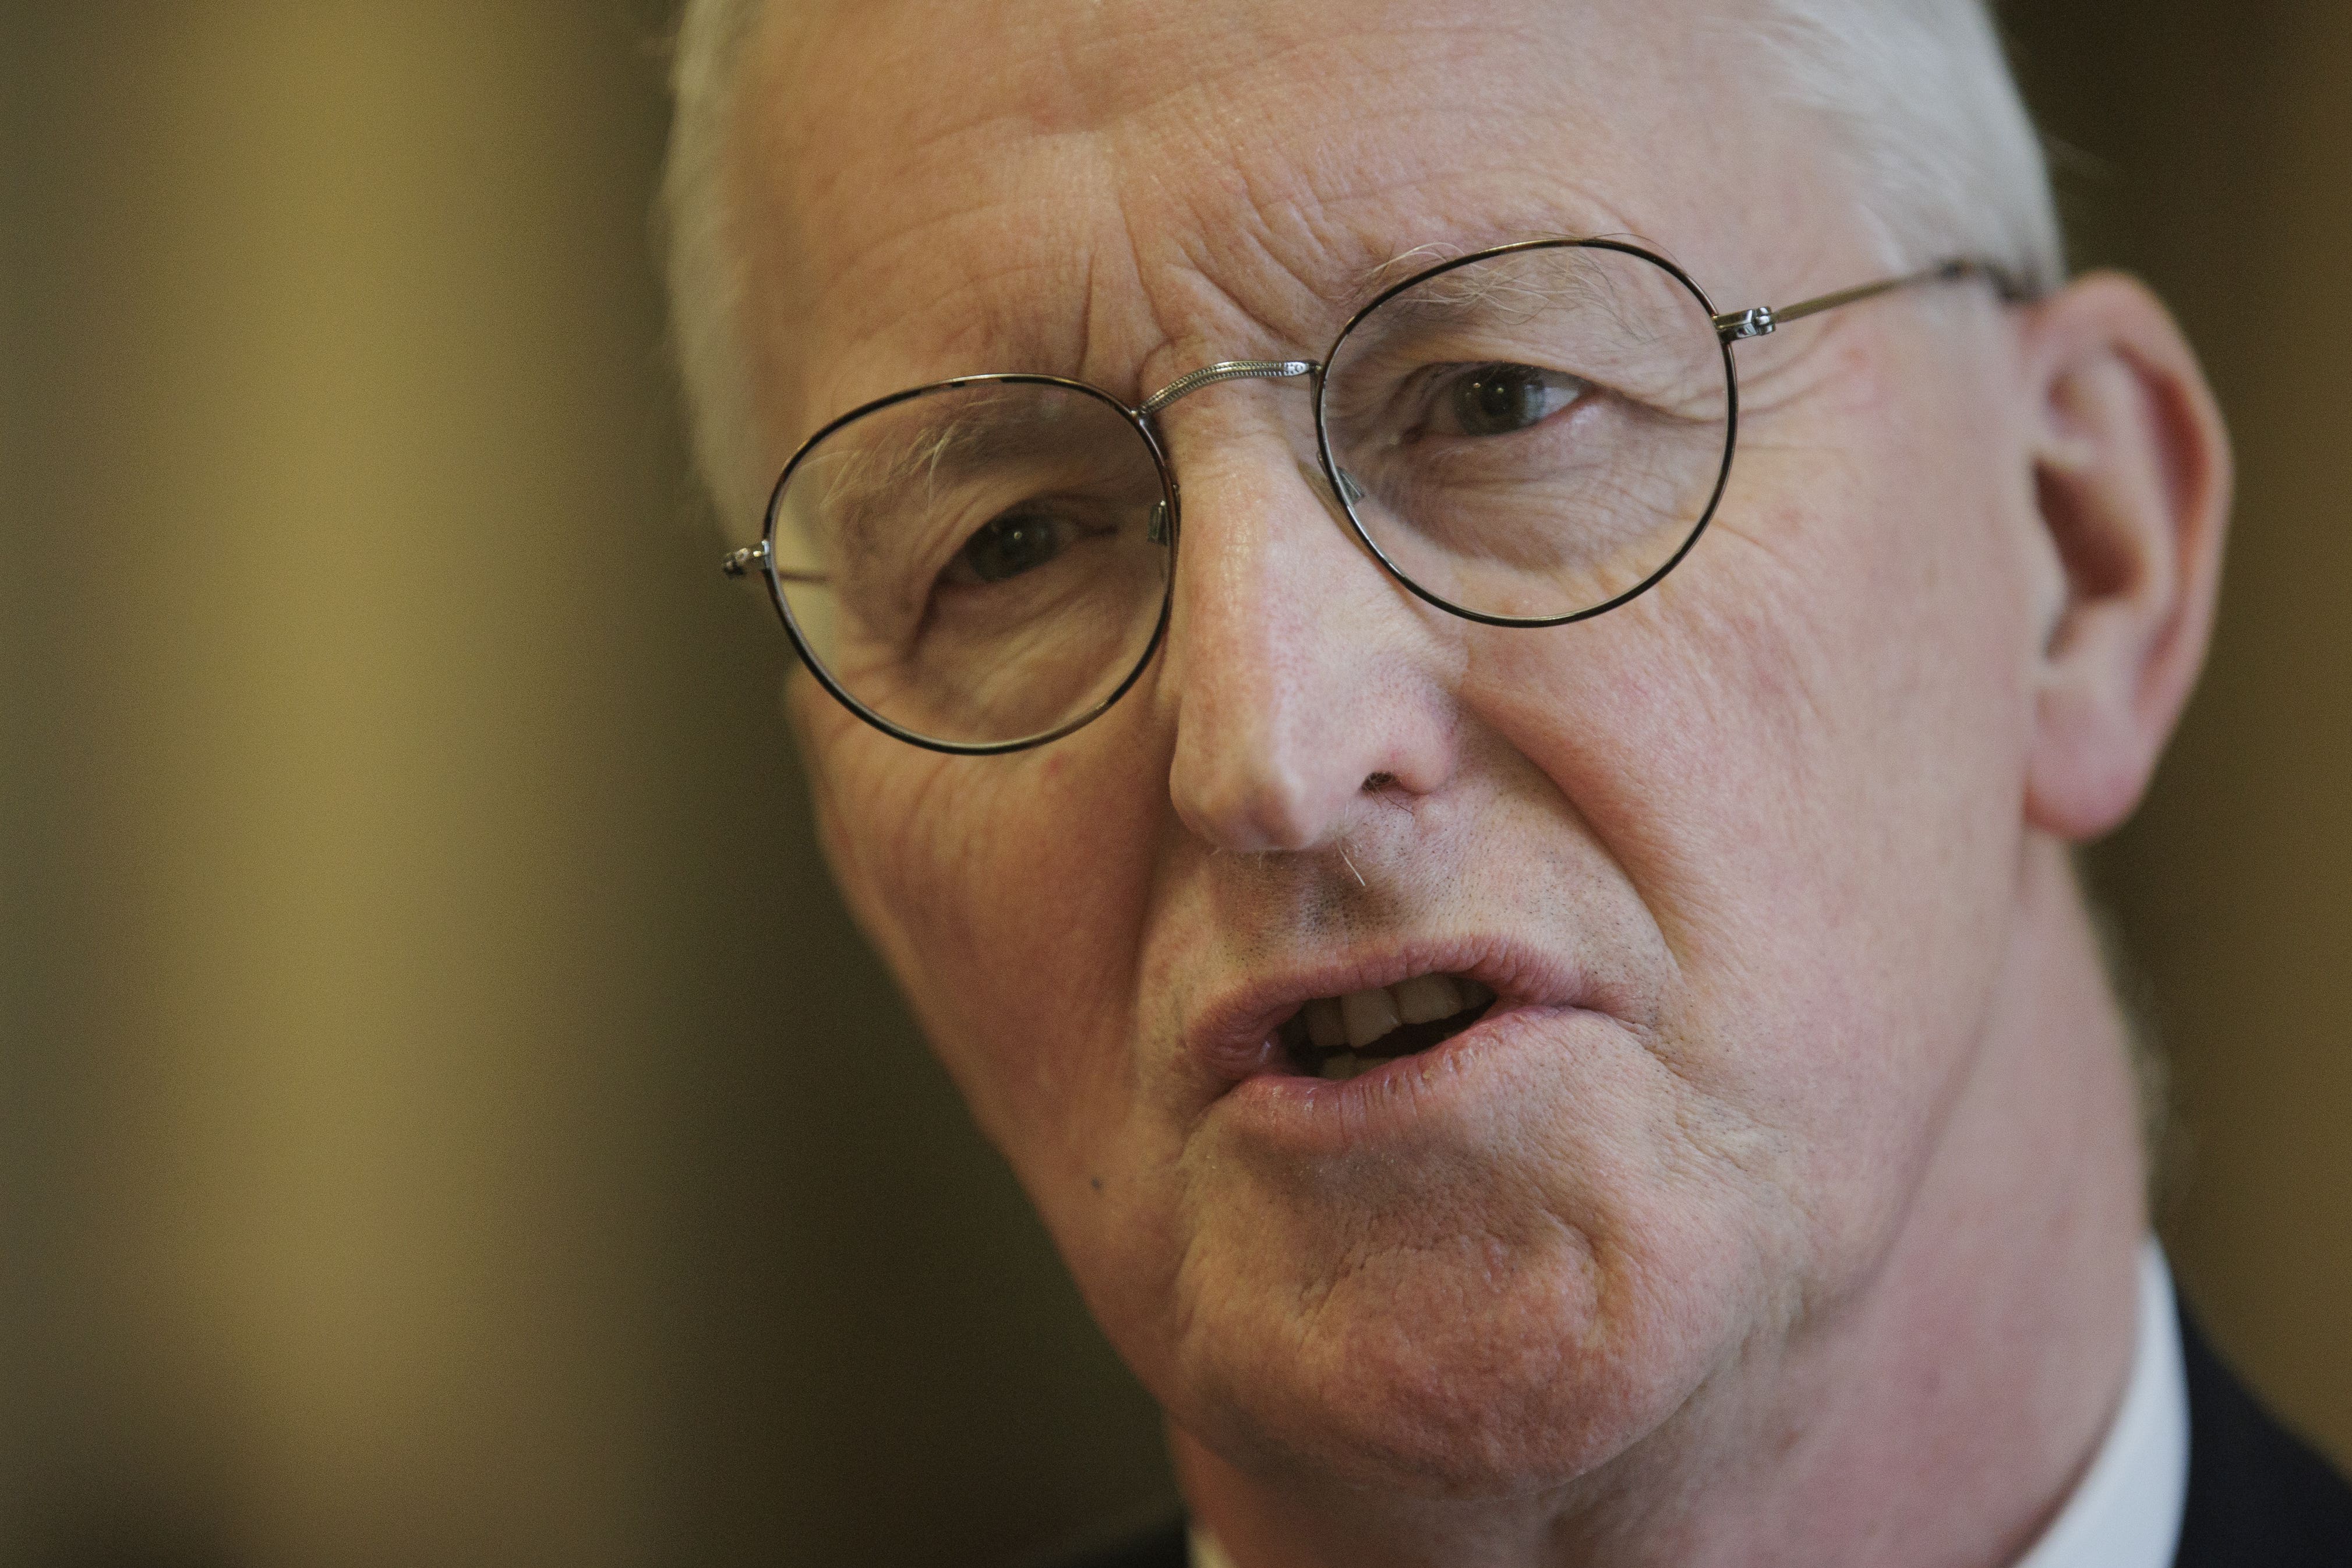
(1402, 1098)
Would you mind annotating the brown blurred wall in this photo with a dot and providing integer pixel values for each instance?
(444, 1116)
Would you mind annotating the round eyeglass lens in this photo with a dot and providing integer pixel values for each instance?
(976, 565)
(1535, 435)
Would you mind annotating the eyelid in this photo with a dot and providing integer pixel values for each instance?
(958, 561)
(1072, 530)
(1439, 376)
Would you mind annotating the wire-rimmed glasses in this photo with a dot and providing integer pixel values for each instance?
(1525, 436)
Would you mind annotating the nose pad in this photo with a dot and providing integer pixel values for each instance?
(1157, 531)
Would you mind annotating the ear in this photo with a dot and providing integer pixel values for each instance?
(2131, 468)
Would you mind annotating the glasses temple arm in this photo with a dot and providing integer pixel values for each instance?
(739, 563)
(1733, 326)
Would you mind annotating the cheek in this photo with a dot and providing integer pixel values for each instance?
(1005, 893)
(1806, 751)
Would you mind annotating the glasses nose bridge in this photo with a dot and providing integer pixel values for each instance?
(1208, 375)
(1185, 385)
(1224, 370)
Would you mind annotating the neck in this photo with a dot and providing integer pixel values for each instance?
(1939, 1417)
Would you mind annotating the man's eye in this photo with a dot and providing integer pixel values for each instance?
(1007, 546)
(1498, 399)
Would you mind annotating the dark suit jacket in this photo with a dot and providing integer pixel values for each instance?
(2258, 1496)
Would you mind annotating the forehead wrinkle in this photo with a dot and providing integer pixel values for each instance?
(1243, 209)
(1329, 214)
(1313, 258)
(981, 305)
(1101, 93)
(974, 325)
(1236, 82)
(808, 81)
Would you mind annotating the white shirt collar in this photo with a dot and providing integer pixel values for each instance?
(2125, 1511)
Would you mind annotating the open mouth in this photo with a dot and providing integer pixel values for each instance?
(1336, 1038)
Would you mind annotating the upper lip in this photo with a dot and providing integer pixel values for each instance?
(1226, 1039)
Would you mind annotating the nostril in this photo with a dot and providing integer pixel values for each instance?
(1375, 783)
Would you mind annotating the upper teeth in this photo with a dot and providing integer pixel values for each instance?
(1359, 1017)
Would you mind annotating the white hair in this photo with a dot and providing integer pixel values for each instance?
(1918, 96)
(1921, 106)
(706, 272)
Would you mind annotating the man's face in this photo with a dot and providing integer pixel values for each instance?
(1736, 858)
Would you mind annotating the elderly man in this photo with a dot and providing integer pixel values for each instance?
(1455, 651)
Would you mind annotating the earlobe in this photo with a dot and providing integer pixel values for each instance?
(2131, 487)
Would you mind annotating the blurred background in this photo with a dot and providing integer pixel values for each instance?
(446, 1118)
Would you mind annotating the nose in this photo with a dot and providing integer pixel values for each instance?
(1300, 675)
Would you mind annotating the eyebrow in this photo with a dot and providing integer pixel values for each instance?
(1533, 281)
(958, 443)
(1401, 265)
(1381, 276)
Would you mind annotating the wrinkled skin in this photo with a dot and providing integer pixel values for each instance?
(1805, 1086)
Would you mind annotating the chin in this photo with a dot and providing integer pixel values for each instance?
(1458, 1367)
